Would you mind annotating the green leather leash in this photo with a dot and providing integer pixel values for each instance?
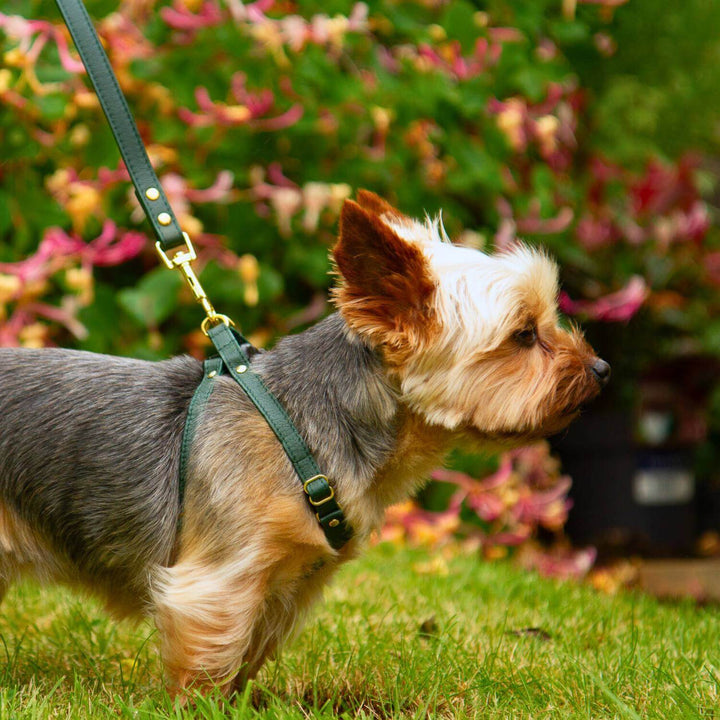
(170, 238)
(147, 187)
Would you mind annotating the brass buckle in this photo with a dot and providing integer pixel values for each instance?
(181, 260)
(318, 503)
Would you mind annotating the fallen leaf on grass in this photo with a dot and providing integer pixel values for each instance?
(537, 632)
(429, 628)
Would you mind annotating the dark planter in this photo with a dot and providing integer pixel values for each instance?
(627, 498)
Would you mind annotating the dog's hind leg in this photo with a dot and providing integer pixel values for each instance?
(23, 551)
(6, 576)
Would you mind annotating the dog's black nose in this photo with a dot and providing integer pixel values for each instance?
(601, 371)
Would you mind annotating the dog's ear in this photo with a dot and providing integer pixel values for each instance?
(377, 205)
(386, 284)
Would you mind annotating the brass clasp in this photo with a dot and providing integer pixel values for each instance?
(182, 260)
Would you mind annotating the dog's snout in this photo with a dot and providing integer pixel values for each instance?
(601, 371)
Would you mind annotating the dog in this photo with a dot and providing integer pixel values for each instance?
(431, 345)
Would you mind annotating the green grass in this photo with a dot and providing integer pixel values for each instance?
(391, 640)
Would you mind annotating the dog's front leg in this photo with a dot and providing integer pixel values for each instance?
(205, 615)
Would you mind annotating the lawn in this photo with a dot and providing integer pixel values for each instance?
(402, 633)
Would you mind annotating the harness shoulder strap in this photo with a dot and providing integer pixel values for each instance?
(320, 493)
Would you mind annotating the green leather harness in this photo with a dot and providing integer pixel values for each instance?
(232, 360)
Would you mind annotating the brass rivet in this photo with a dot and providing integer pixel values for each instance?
(334, 523)
(212, 373)
(164, 218)
(152, 193)
(241, 368)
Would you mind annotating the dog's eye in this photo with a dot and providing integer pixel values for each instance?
(527, 337)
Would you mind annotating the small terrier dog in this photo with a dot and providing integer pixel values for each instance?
(431, 345)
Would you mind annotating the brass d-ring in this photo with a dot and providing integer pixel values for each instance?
(216, 319)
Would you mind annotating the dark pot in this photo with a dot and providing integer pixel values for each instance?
(626, 498)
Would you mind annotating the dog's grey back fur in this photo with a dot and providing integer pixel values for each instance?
(89, 453)
(90, 444)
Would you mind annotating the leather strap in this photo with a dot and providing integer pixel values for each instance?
(318, 489)
(147, 186)
(212, 369)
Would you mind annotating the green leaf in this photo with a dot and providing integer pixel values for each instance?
(5, 217)
(52, 107)
(459, 23)
(102, 320)
(153, 299)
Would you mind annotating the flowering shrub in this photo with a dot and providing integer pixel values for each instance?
(503, 510)
(262, 117)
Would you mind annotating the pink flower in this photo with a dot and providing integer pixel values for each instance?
(533, 224)
(563, 564)
(548, 508)
(125, 42)
(111, 247)
(596, 232)
(24, 31)
(664, 187)
(619, 306)
(249, 12)
(179, 17)
(248, 109)
(295, 31)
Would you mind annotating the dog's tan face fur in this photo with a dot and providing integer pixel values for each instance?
(474, 340)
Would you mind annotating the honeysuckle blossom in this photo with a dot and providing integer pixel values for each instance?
(549, 124)
(111, 247)
(180, 17)
(23, 283)
(286, 202)
(664, 187)
(446, 55)
(32, 36)
(561, 563)
(249, 11)
(619, 306)
(680, 225)
(125, 43)
(525, 493)
(292, 31)
(249, 271)
(247, 108)
(24, 327)
(279, 194)
(594, 231)
(295, 32)
(531, 224)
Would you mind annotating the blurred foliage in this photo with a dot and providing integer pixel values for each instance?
(542, 119)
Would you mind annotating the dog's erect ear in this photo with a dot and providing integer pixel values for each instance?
(386, 284)
(377, 205)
